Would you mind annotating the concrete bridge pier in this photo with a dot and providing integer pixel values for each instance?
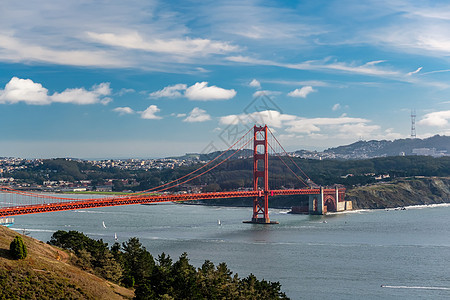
(316, 203)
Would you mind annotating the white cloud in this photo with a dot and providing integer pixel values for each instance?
(336, 107)
(181, 115)
(150, 113)
(172, 91)
(439, 119)
(124, 110)
(272, 118)
(18, 90)
(303, 92)
(199, 91)
(255, 83)
(202, 92)
(82, 96)
(25, 90)
(341, 127)
(197, 115)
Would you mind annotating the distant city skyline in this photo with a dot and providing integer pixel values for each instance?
(151, 79)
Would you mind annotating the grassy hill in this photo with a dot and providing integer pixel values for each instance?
(47, 273)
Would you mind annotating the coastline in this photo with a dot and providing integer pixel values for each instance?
(401, 192)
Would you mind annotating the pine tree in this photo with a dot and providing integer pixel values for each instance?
(17, 248)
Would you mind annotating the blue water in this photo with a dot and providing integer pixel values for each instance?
(340, 256)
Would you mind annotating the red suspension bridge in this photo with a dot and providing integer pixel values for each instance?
(19, 202)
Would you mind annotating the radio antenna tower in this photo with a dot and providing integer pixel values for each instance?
(413, 124)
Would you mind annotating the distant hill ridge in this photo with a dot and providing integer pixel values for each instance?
(438, 146)
(369, 149)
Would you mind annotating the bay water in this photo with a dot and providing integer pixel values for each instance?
(371, 254)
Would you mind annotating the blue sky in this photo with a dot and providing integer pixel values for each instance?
(117, 79)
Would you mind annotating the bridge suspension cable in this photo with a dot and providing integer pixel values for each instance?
(153, 189)
(210, 169)
(300, 179)
(288, 155)
(278, 144)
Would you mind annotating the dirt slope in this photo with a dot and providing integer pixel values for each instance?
(47, 274)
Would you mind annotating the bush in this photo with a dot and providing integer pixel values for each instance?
(17, 248)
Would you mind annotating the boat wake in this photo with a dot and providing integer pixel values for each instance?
(416, 287)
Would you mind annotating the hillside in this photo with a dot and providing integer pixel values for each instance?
(369, 149)
(396, 193)
(401, 192)
(47, 274)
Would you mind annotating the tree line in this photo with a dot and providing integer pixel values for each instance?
(131, 265)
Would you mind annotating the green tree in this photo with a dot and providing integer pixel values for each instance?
(138, 262)
(17, 248)
(184, 284)
(109, 268)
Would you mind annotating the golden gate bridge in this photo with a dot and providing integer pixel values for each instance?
(321, 199)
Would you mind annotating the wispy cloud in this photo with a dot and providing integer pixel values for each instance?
(197, 115)
(335, 107)
(415, 72)
(185, 47)
(14, 49)
(171, 91)
(369, 68)
(265, 93)
(124, 110)
(147, 34)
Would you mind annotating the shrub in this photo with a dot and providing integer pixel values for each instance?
(17, 248)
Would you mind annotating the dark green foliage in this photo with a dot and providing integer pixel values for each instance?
(164, 279)
(91, 254)
(137, 262)
(180, 280)
(17, 248)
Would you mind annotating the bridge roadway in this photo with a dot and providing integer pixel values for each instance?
(140, 199)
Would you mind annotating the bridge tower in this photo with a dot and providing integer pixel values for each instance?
(260, 171)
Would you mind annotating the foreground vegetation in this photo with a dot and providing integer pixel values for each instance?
(131, 265)
(47, 273)
(80, 272)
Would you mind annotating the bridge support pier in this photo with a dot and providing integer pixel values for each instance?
(316, 204)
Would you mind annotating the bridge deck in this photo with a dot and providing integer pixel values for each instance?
(139, 199)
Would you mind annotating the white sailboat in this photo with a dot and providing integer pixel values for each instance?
(103, 222)
(115, 236)
(218, 222)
